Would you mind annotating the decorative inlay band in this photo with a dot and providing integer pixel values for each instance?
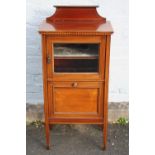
(76, 33)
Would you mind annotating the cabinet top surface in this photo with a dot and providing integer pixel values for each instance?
(46, 28)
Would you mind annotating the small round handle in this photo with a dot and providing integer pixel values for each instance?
(74, 84)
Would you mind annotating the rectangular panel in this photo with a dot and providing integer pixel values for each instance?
(76, 100)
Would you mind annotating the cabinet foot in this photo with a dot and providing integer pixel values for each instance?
(47, 147)
(103, 147)
(47, 132)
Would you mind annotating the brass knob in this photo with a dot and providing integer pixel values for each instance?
(74, 84)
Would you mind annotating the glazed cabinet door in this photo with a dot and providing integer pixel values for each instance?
(75, 99)
(73, 58)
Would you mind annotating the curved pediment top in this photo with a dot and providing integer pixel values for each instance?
(86, 14)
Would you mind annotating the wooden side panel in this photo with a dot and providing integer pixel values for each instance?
(45, 88)
(105, 112)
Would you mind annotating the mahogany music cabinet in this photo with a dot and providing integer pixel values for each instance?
(75, 58)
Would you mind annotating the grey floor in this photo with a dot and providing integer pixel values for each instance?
(78, 140)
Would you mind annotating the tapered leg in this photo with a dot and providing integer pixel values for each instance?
(47, 132)
(105, 135)
(105, 103)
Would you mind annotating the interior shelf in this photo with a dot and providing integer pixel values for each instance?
(76, 57)
(76, 65)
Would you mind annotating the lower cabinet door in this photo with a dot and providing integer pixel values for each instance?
(75, 99)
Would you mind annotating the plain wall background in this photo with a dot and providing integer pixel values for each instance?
(115, 11)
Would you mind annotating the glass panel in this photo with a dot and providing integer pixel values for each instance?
(76, 57)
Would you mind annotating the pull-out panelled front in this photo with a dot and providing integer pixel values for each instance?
(75, 99)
